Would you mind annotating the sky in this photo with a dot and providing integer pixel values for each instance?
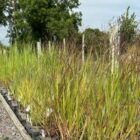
(97, 13)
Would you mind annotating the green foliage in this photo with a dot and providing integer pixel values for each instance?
(1, 46)
(18, 30)
(128, 26)
(96, 40)
(87, 101)
(44, 19)
(3, 4)
(4, 138)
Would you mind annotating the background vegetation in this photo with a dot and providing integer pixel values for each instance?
(68, 98)
(54, 20)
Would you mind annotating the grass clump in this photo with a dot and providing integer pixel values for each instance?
(4, 138)
(75, 100)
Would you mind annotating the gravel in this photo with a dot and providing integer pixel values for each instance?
(7, 127)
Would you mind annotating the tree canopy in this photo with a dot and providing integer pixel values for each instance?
(96, 40)
(43, 19)
(3, 6)
(128, 26)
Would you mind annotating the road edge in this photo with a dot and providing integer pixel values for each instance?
(15, 120)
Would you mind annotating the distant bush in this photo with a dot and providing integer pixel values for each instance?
(97, 41)
(128, 29)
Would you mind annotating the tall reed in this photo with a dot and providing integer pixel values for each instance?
(73, 100)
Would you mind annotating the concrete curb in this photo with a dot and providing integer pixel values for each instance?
(13, 117)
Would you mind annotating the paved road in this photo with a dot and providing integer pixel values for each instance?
(7, 127)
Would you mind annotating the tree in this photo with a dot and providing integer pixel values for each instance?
(96, 40)
(128, 26)
(2, 47)
(44, 19)
(3, 6)
(19, 29)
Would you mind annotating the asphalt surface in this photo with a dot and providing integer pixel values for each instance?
(7, 128)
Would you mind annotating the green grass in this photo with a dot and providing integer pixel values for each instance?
(87, 101)
(4, 138)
